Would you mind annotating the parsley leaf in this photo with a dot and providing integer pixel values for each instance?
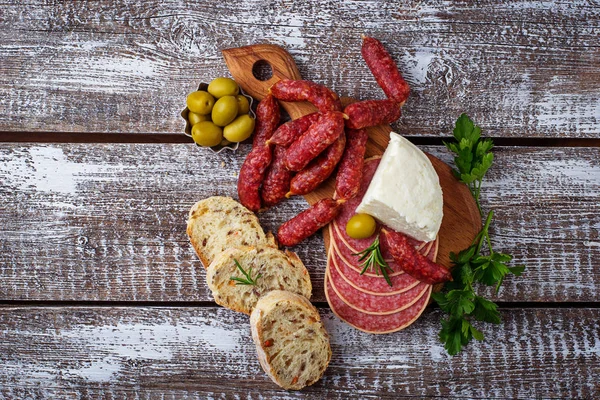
(470, 267)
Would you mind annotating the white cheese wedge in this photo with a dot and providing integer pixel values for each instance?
(405, 193)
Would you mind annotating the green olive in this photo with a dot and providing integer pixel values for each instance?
(243, 104)
(200, 102)
(225, 142)
(220, 87)
(206, 133)
(195, 118)
(224, 110)
(240, 129)
(361, 226)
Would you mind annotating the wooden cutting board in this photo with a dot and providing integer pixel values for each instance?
(461, 218)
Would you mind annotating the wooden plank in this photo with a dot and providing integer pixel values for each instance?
(107, 221)
(208, 352)
(522, 68)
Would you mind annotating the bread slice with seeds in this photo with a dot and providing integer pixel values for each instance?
(268, 269)
(218, 223)
(292, 343)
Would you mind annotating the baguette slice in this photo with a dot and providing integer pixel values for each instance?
(291, 341)
(277, 269)
(218, 223)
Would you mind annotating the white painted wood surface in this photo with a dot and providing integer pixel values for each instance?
(107, 221)
(520, 68)
(208, 353)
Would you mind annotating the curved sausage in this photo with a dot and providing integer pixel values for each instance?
(319, 169)
(251, 176)
(308, 222)
(371, 112)
(384, 70)
(258, 160)
(277, 180)
(297, 90)
(267, 119)
(316, 139)
(290, 131)
(349, 176)
(411, 261)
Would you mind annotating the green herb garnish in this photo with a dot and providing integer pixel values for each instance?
(371, 258)
(248, 280)
(458, 298)
(473, 155)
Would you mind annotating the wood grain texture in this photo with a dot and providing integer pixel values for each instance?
(208, 353)
(107, 221)
(520, 68)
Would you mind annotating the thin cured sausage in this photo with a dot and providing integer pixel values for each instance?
(256, 163)
(371, 113)
(251, 176)
(316, 139)
(267, 119)
(411, 262)
(298, 90)
(349, 176)
(319, 169)
(287, 133)
(308, 222)
(384, 70)
(277, 180)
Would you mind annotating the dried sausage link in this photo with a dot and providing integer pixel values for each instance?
(384, 70)
(349, 176)
(287, 133)
(277, 180)
(308, 222)
(316, 139)
(371, 113)
(411, 261)
(319, 169)
(267, 119)
(251, 176)
(297, 90)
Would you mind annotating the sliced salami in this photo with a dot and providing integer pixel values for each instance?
(349, 257)
(370, 282)
(348, 250)
(375, 323)
(370, 303)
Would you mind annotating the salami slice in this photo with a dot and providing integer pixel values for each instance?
(370, 282)
(348, 251)
(378, 324)
(371, 303)
(348, 255)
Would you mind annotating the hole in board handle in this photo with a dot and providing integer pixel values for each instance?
(262, 70)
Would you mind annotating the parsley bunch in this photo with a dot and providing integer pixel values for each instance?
(473, 155)
(458, 298)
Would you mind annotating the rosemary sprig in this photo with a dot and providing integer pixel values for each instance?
(248, 280)
(371, 258)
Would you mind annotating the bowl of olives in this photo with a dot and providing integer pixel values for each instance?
(219, 115)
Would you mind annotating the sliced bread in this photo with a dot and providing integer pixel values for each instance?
(219, 223)
(291, 341)
(277, 269)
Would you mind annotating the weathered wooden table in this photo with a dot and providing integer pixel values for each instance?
(101, 294)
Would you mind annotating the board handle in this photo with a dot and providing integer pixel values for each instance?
(244, 62)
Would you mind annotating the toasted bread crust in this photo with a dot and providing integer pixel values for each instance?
(307, 342)
(218, 223)
(278, 270)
